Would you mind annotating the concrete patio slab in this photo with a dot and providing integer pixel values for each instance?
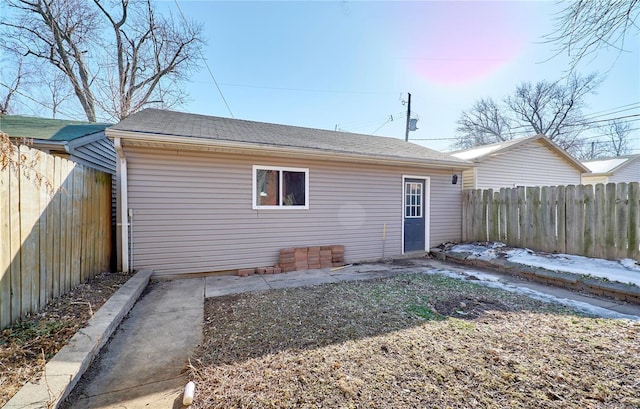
(217, 286)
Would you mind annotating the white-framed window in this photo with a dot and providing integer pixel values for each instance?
(277, 187)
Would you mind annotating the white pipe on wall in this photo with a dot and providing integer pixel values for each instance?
(123, 205)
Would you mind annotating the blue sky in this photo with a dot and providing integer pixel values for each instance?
(349, 64)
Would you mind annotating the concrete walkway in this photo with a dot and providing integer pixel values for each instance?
(144, 364)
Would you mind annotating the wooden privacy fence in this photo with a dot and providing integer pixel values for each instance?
(600, 221)
(50, 239)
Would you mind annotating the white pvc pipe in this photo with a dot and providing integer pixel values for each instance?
(189, 391)
(123, 205)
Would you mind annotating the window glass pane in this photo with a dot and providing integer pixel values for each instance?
(293, 188)
(267, 187)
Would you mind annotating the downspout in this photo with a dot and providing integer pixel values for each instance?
(124, 204)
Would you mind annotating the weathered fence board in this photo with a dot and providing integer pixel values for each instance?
(596, 221)
(52, 239)
(5, 251)
(633, 250)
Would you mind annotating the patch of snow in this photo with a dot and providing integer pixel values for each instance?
(604, 166)
(493, 281)
(595, 267)
(625, 271)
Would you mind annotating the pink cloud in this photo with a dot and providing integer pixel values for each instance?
(461, 42)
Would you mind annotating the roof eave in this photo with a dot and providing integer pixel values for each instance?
(279, 149)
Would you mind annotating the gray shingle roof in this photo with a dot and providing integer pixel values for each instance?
(178, 124)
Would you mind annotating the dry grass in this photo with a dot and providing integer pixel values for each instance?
(411, 341)
(26, 346)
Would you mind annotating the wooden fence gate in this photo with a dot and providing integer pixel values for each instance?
(600, 221)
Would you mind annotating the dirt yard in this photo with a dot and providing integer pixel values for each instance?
(411, 341)
(26, 346)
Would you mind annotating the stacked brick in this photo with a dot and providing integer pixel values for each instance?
(245, 272)
(304, 258)
(301, 258)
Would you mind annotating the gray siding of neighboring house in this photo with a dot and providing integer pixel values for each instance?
(531, 164)
(594, 180)
(469, 178)
(629, 173)
(98, 154)
(192, 211)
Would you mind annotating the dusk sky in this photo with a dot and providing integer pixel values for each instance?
(349, 64)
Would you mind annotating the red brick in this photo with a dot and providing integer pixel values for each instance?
(326, 264)
(269, 270)
(277, 270)
(324, 248)
(337, 264)
(245, 272)
(288, 268)
(302, 266)
(287, 259)
(290, 250)
(314, 266)
(262, 270)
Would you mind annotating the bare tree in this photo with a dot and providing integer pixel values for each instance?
(117, 59)
(9, 90)
(584, 27)
(618, 138)
(484, 123)
(58, 91)
(553, 109)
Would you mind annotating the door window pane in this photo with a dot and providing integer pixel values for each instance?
(413, 199)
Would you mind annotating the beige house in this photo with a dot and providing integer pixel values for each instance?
(205, 194)
(614, 170)
(532, 161)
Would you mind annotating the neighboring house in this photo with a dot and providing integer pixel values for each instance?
(81, 142)
(206, 194)
(614, 170)
(532, 161)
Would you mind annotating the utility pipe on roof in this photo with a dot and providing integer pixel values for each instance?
(124, 205)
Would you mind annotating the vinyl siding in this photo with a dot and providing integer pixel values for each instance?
(594, 180)
(192, 211)
(469, 178)
(629, 173)
(98, 154)
(532, 164)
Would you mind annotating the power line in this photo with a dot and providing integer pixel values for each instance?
(633, 105)
(206, 64)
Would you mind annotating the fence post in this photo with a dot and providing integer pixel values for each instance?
(622, 219)
(589, 220)
(503, 200)
(561, 219)
(493, 217)
(570, 219)
(610, 221)
(599, 223)
(633, 250)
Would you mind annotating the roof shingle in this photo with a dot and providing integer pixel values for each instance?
(194, 126)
